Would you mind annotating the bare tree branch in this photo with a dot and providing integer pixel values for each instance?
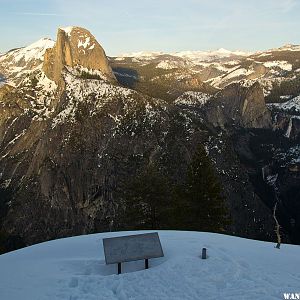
(277, 227)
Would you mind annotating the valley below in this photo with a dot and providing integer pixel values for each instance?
(82, 134)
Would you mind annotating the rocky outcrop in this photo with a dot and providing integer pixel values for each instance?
(289, 124)
(74, 47)
(258, 71)
(12, 105)
(286, 117)
(239, 105)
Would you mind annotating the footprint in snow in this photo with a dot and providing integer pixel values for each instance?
(73, 282)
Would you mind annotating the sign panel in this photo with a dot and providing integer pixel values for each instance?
(132, 247)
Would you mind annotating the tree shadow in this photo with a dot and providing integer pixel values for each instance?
(2, 79)
(126, 76)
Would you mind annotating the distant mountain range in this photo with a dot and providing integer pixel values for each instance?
(75, 124)
(222, 67)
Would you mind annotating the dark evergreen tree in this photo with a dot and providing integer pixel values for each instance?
(203, 204)
(146, 200)
(8, 242)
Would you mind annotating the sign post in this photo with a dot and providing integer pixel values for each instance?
(132, 248)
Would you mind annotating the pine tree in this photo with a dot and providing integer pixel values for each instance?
(204, 207)
(146, 200)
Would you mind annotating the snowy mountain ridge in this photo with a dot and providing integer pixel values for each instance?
(222, 67)
(291, 106)
(196, 54)
(35, 50)
(16, 64)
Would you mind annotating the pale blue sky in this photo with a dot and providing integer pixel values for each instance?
(157, 25)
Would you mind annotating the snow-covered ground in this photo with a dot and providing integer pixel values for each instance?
(291, 106)
(74, 268)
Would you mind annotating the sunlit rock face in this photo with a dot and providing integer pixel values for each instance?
(75, 47)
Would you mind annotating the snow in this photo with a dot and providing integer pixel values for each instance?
(79, 90)
(74, 268)
(84, 44)
(224, 68)
(199, 56)
(235, 74)
(67, 30)
(192, 98)
(286, 97)
(194, 56)
(292, 105)
(289, 47)
(289, 157)
(141, 55)
(33, 51)
(239, 72)
(120, 58)
(170, 64)
(289, 129)
(46, 84)
(17, 64)
(284, 65)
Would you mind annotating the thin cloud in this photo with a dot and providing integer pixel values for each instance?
(39, 14)
(287, 5)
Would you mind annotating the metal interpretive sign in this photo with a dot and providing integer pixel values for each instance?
(132, 247)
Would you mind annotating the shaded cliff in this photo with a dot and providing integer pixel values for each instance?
(239, 105)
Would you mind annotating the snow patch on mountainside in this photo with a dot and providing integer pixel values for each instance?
(288, 47)
(78, 70)
(199, 56)
(74, 268)
(68, 30)
(79, 90)
(192, 98)
(142, 55)
(17, 64)
(238, 72)
(194, 56)
(291, 106)
(284, 65)
(170, 64)
(222, 67)
(85, 43)
(34, 51)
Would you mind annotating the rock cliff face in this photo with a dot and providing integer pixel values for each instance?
(286, 117)
(239, 105)
(63, 168)
(75, 47)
